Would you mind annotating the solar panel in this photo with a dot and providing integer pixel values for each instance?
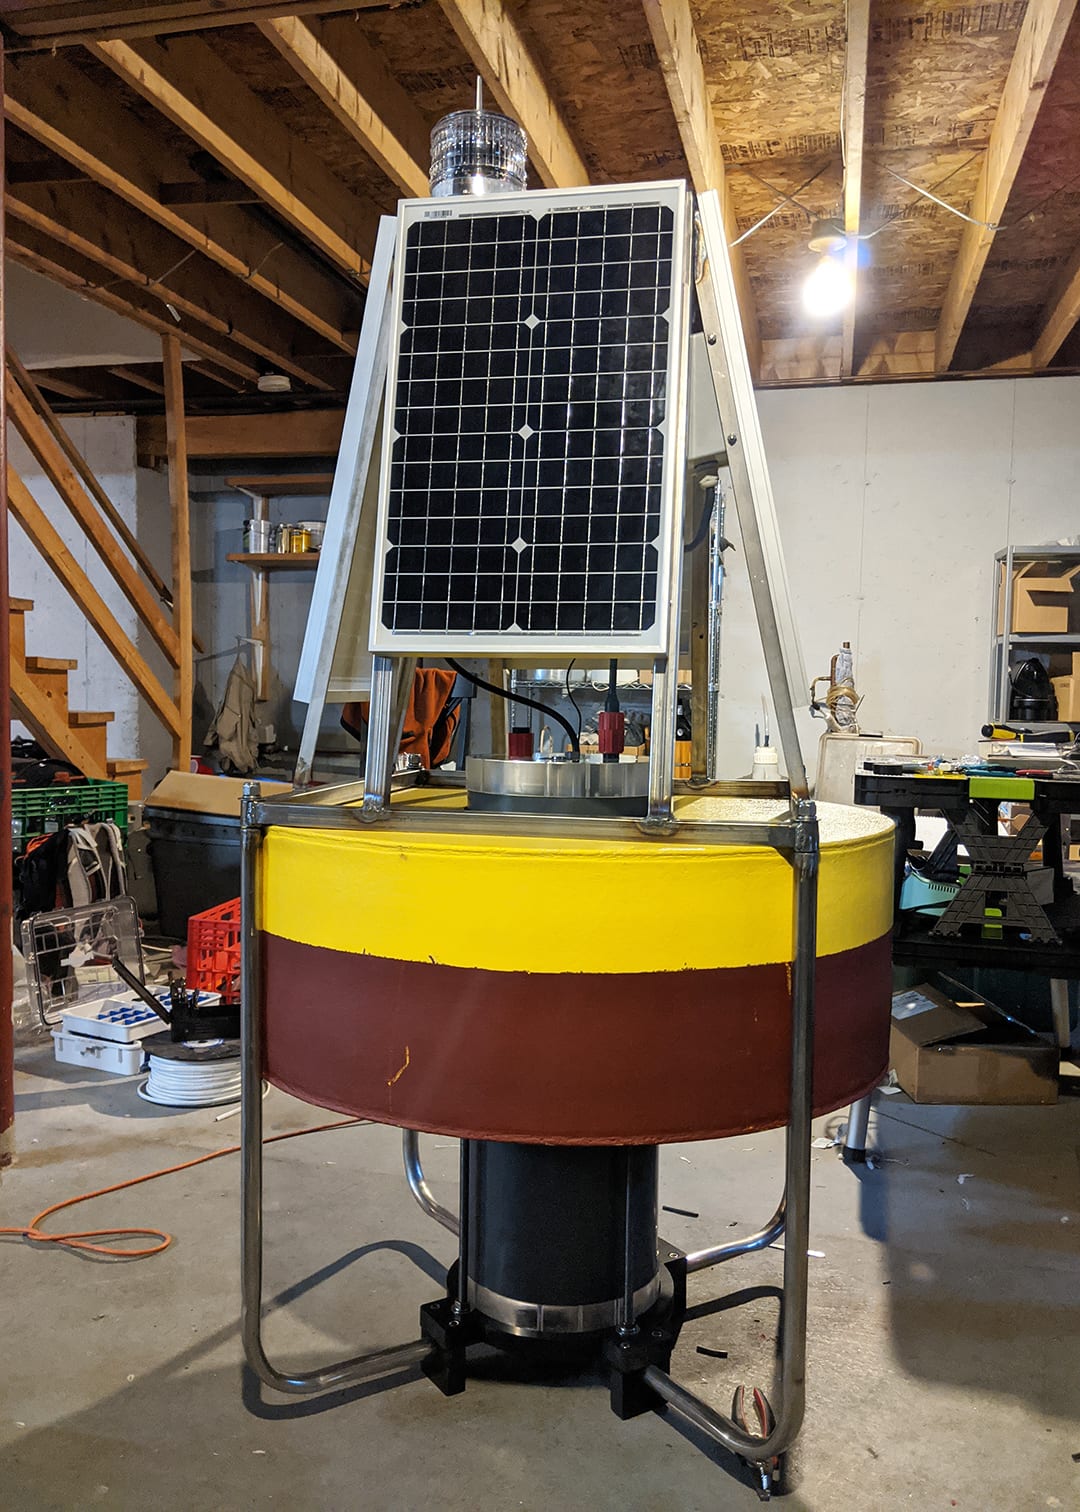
(534, 413)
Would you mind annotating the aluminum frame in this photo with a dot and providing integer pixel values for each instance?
(657, 640)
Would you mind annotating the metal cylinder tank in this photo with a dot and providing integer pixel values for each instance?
(547, 1241)
(557, 989)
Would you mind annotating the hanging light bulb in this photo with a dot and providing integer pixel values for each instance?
(828, 289)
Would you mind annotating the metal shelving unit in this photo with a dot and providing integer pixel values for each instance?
(1004, 644)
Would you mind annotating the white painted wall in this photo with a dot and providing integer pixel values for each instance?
(56, 627)
(892, 500)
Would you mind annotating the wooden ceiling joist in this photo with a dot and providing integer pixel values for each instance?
(97, 226)
(59, 106)
(56, 381)
(217, 375)
(1037, 49)
(335, 59)
(298, 433)
(139, 378)
(676, 43)
(52, 259)
(60, 25)
(858, 45)
(489, 34)
(1060, 316)
(199, 93)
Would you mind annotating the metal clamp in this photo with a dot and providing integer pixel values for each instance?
(343, 1372)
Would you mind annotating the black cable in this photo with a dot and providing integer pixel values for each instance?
(703, 524)
(532, 703)
(571, 697)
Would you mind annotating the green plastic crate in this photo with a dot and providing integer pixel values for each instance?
(35, 811)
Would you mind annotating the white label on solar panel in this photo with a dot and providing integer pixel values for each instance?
(535, 414)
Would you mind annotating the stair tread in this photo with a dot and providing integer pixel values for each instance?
(50, 664)
(90, 716)
(121, 765)
(20, 606)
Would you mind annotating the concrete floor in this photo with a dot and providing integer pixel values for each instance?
(944, 1318)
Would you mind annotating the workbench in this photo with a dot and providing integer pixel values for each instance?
(970, 803)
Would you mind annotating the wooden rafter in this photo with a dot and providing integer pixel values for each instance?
(1060, 315)
(199, 93)
(62, 25)
(139, 379)
(59, 383)
(1037, 49)
(52, 259)
(335, 59)
(858, 45)
(107, 231)
(676, 43)
(215, 375)
(60, 107)
(491, 37)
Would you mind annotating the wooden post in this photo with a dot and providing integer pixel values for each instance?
(7, 1029)
(176, 443)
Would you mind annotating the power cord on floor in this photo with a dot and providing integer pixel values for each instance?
(82, 1240)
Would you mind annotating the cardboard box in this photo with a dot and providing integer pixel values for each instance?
(968, 1053)
(1044, 599)
(1067, 692)
(197, 793)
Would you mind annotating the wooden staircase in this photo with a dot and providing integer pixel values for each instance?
(39, 698)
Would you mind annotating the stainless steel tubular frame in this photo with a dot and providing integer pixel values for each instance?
(704, 1258)
(343, 1372)
(790, 1411)
(414, 1175)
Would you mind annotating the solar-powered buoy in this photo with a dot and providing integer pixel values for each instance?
(563, 982)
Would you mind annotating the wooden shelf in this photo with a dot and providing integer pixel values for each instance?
(273, 485)
(275, 558)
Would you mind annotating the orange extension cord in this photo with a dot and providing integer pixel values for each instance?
(82, 1240)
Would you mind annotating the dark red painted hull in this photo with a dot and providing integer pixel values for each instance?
(634, 1058)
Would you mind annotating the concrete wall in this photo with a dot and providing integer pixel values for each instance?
(892, 500)
(56, 627)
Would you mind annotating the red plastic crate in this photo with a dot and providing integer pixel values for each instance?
(213, 953)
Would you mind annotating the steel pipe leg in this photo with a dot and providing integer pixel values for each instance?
(789, 1416)
(704, 1258)
(858, 1125)
(343, 1372)
(1059, 1008)
(414, 1175)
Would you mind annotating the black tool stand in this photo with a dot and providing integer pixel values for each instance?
(1039, 938)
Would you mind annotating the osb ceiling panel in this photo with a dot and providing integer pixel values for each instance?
(935, 79)
(775, 72)
(601, 66)
(258, 64)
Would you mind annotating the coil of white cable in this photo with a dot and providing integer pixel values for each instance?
(195, 1075)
